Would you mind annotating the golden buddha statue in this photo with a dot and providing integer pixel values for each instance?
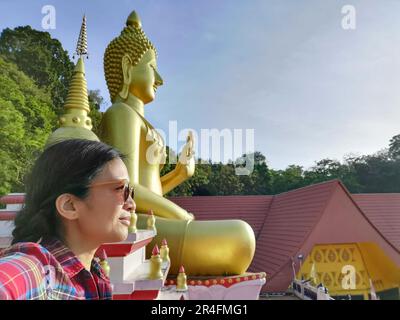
(203, 247)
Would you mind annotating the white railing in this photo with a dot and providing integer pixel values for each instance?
(13, 202)
(305, 291)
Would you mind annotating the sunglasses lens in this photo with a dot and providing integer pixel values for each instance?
(128, 190)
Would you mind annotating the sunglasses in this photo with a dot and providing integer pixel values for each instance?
(127, 189)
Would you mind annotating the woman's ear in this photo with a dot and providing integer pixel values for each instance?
(126, 64)
(66, 206)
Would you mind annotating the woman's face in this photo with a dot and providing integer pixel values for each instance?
(145, 78)
(104, 216)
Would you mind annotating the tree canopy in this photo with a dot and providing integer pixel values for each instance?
(26, 120)
(41, 58)
(35, 72)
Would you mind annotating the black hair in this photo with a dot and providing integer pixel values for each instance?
(65, 167)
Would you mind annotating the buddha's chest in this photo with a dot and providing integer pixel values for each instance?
(153, 150)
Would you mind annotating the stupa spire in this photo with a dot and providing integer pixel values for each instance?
(75, 122)
(81, 46)
(77, 103)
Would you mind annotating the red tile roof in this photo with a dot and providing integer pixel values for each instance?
(284, 222)
(290, 220)
(383, 210)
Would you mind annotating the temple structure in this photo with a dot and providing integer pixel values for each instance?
(320, 229)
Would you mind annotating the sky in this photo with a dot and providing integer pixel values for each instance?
(309, 88)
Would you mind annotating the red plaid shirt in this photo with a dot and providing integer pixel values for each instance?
(49, 270)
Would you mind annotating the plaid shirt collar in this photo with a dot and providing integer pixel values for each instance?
(68, 260)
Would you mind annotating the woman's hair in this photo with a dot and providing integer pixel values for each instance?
(65, 167)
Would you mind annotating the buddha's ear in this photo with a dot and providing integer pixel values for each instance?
(126, 64)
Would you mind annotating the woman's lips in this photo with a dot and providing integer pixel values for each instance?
(126, 221)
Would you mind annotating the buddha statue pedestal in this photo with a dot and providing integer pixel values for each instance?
(244, 287)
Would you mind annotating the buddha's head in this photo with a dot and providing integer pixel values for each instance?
(130, 63)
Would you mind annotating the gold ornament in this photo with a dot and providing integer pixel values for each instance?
(164, 251)
(155, 264)
(181, 280)
(151, 221)
(132, 226)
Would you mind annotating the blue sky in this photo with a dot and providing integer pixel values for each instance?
(285, 68)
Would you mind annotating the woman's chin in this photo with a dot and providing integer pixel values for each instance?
(119, 236)
(124, 234)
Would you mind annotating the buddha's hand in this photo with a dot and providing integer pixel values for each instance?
(186, 164)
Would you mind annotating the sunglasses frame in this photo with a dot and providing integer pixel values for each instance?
(128, 189)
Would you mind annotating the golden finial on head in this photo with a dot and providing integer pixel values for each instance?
(134, 20)
(81, 46)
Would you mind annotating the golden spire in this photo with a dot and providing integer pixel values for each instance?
(81, 46)
(75, 122)
(77, 103)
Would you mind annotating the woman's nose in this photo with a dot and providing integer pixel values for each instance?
(130, 205)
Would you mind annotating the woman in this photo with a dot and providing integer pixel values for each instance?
(78, 197)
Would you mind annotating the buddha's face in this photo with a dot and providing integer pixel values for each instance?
(145, 78)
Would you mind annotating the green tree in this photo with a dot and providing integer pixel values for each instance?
(224, 181)
(11, 138)
(196, 185)
(378, 172)
(26, 120)
(40, 57)
(290, 178)
(95, 103)
(260, 178)
(328, 169)
(394, 147)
